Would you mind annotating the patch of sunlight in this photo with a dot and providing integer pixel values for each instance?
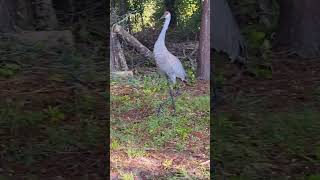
(114, 145)
(167, 163)
(149, 10)
(127, 176)
(134, 153)
(186, 9)
(145, 19)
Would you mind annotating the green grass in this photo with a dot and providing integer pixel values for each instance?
(192, 114)
(248, 145)
(133, 153)
(163, 132)
(56, 136)
(8, 70)
(31, 133)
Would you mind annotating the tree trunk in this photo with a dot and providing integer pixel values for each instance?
(203, 67)
(25, 17)
(21, 15)
(117, 61)
(225, 34)
(265, 7)
(123, 7)
(299, 27)
(45, 15)
(112, 4)
(7, 16)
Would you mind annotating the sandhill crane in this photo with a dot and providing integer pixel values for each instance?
(168, 64)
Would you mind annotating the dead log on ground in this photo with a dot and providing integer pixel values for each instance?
(133, 42)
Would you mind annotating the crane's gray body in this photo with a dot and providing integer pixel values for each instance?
(167, 63)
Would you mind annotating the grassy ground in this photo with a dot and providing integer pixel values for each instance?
(148, 146)
(52, 112)
(267, 125)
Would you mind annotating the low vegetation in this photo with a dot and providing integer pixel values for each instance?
(267, 129)
(139, 135)
(49, 105)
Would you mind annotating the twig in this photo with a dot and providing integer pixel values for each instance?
(205, 163)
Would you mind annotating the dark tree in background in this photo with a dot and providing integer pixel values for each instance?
(299, 27)
(225, 34)
(203, 68)
(7, 15)
(45, 15)
(25, 15)
(123, 7)
(112, 4)
(169, 4)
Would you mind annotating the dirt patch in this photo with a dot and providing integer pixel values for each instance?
(200, 88)
(122, 90)
(158, 164)
(136, 115)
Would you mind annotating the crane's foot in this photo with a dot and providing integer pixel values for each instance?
(159, 109)
(178, 93)
(174, 111)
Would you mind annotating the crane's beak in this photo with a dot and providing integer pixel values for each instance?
(162, 17)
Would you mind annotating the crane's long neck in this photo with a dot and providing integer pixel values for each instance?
(162, 36)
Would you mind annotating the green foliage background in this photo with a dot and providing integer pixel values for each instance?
(147, 14)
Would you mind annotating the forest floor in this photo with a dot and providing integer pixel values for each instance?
(52, 113)
(267, 122)
(147, 146)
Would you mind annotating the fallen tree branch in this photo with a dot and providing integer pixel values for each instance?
(133, 41)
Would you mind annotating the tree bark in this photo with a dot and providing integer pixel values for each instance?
(123, 7)
(45, 15)
(226, 36)
(117, 61)
(203, 67)
(299, 27)
(112, 4)
(25, 17)
(7, 16)
(265, 7)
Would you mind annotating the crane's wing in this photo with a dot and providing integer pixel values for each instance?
(177, 67)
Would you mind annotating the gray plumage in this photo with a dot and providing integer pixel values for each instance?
(167, 63)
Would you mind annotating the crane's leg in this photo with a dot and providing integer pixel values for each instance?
(159, 109)
(171, 95)
(178, 92)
